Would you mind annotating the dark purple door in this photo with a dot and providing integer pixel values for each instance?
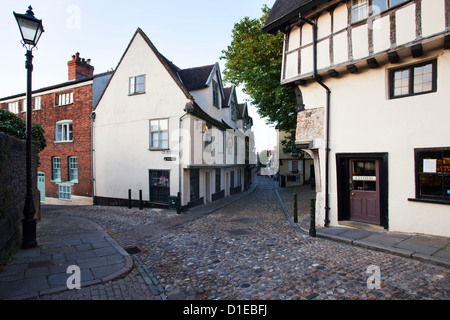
(365, 191)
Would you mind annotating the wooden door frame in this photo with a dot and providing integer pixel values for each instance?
(343, 186)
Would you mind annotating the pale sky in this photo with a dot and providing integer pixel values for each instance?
(189, 33)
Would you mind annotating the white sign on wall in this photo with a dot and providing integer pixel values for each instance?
(364, 178)
(429, 165)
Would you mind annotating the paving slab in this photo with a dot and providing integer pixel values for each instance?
(62, 242)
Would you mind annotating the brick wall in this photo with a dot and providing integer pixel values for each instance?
(79, 67)
(13, 190)
(79, 112)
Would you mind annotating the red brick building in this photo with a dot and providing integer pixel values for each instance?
(64, 111)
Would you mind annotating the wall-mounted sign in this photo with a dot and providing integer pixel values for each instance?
(364, 178)
(170, 159)
(169, 152)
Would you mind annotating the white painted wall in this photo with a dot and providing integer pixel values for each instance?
(364, 120)
(122, 130)
(336, 23)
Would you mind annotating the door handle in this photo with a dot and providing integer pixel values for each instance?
(353, 193)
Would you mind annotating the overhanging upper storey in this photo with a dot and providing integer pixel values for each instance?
(356, 34)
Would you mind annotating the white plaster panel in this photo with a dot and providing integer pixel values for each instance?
(291, 64)
(433, 17)
(381, 34)
(340, 17)
(405, 24)
(360, 42)
(323, 54)
(306, 34)
(306, 60)
(340, 47)
(294, 39)
(324, 25)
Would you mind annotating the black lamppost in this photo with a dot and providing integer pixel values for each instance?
(31, 30)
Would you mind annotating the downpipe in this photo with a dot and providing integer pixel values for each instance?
(328, 92)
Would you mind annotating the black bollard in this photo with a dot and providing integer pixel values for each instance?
(312, 224)
(295, 208)
(141, 206)
(179, 202)
(129, 198)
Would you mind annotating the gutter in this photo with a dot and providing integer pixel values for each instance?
(328, 91)
(92, 116)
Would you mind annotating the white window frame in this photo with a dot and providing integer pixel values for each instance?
(73, 169)
(64, 99)
(363, 9)
(37, 103)
(13, 107)
(159, 132)
(135, 83)
(56, 168)
(65, 192)
(65, 133)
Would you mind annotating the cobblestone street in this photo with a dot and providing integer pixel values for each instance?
(247, 251)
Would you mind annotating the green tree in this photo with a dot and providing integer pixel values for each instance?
(253, 60)
(13, 126)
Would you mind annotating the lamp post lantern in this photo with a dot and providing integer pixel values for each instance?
(31, 30)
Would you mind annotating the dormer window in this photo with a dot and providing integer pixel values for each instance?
(233, 111)
(215, 88)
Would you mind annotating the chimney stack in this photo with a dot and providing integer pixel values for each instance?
(79, 67)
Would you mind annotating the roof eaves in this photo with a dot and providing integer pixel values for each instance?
(283, 11)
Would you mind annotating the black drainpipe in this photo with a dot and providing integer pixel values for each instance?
(319, 81)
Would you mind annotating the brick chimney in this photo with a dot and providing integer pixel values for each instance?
(79, 67)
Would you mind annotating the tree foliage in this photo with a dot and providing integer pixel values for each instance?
(254, 61)
(13, 126)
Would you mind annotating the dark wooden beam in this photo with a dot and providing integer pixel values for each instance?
(393, 57)
(372, 62)
(447, 42)
(417, 50)
(352, 68)
(333, 73)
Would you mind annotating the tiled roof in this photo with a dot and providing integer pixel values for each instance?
(285, 10)
(195, 78)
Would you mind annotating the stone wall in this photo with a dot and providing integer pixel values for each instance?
(310, 125)
(13, 191)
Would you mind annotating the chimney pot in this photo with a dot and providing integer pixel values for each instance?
(79, 67)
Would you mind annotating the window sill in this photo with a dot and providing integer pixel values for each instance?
(68, 141)
(159, 149)
(435, 201)
(63, 105)
(136, 93)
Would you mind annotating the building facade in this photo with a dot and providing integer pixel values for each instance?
(371, 77)
(161, 131)
(296, 167)
(64, 110)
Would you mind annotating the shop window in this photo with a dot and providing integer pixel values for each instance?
(433, 174)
